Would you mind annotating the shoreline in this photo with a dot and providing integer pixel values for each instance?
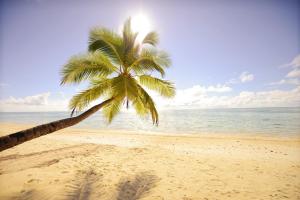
(246, 136)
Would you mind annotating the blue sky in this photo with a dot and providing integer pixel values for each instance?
(213, 44)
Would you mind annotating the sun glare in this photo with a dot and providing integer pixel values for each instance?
(140, 24)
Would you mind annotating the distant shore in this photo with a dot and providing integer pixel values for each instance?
(124, 165)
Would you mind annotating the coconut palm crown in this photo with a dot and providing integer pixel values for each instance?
(118, 68)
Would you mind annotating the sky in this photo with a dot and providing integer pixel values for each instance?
(232, 53)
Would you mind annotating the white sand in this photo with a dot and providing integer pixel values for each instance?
(95, 164)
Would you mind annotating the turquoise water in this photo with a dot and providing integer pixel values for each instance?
(275, 121)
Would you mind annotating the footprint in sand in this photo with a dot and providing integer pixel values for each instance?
(33, 180)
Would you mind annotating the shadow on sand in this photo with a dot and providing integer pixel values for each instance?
(83, 186)
(87, 185)
(32, 194)
(137, 187)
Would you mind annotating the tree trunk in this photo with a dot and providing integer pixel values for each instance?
(17, 138)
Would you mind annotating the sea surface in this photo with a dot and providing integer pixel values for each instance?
(270, 121)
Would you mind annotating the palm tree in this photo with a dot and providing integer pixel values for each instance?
(117, 68)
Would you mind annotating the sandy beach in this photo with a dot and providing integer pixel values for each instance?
(98, 164)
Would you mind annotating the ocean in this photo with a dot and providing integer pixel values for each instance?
(269, 121)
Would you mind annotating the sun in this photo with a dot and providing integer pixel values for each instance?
(140, 24)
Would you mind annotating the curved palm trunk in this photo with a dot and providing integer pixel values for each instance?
(17, 138)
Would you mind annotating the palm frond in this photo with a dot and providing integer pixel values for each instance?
(113, 108)
(146, 64)
(145, 99)
(84, 98)
(163, 87)
(140, 107)
(124, 86)
(151, 38)
(132, 55)
(163, 58)
(129, 38)
(108, 42)
(82, 67)
(151, 59)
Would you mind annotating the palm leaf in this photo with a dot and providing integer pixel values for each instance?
(160, 57)
(82, 67)
(148, 103)
(151, 59)
(84, 98)
(165, 88)
(124, 86)
(129, 38)
(139, 107)
(145, 64)
(108, 42)
(163, 58)
(151, 38)
(112, 109)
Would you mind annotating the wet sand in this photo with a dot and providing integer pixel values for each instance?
(122, 165)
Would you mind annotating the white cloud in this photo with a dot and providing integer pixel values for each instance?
(295, 63)
(294, 73)
(246, 76)
(198, 89)
(273, 98)
(219, 88)
(195, 98)
(293, 76)
(38, 102)
(39, 99)
(243, 78)
(286, 81)
(190, 95)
